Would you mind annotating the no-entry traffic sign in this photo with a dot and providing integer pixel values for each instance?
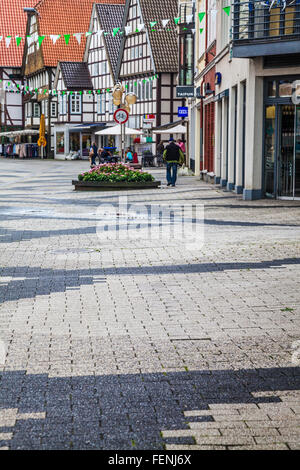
(121, 116)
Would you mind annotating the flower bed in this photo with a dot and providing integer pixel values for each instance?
(115, 173)
(114, 176)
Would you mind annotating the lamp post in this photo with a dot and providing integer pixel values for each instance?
(123, 100)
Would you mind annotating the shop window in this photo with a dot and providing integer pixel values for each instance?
(285, 89)
(272, 89)
(74, 142)
(60, 142)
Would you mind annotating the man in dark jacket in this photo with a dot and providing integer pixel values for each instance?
(173, 156)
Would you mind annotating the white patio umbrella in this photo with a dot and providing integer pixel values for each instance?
(116, 130)
(180, 129)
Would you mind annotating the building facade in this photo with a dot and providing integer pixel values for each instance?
(148, 66)
(11, 55)
(257, 150)
(47, 45)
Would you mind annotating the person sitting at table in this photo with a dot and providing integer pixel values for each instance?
(105, 156)
(128, 155)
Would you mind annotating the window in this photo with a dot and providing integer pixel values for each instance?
(101, 104)
(54, 109)
(28, 110)
(95, 71)
(75, 104)
(36, 110)
(60, 142)
(151, 90)
(186, 59)
(63, 105)
(104, 68)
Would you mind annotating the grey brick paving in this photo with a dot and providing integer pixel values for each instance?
(145, 345)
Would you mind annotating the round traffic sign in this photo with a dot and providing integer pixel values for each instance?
(121, 116)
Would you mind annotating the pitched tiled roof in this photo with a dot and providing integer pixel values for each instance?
(110, 17)
(76, 75)
(64, 17)
(164, 43)
(13, 22)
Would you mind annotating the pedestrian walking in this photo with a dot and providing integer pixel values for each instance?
(93, 154)
(173, 156)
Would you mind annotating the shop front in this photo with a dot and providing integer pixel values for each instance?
(282, 138)
(70, 139)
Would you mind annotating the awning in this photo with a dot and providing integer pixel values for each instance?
(179, 129)
(86, 127)
(17, 133)
(116, 130)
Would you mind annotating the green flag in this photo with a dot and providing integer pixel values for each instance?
(18, 40)
(201, 16)
(227, 10)
(201, 30)
(115, 31)
(67, 38)
(153, 23)
(41, 39)
(177, 20)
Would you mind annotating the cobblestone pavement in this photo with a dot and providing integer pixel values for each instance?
(140, 345)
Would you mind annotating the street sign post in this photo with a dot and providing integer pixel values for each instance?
(121, 116)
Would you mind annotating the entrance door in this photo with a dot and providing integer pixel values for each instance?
(286, 166)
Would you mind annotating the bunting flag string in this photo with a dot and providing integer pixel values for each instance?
(27, 90)
(154, 25)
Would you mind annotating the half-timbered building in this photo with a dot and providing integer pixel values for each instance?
(12, 24)
(84, 89)
(51, 26)
(74, 124)
(102, 55)
(150, 48)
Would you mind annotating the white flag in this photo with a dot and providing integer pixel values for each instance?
(128, 29)
(193, 31)
(1, 37)
(100, 33)
(7, 41)
(140, 27)
(54, 38)
(165, 22)
(189, 18)
(78, 37)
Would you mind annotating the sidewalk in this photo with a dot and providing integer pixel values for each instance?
(141, 345)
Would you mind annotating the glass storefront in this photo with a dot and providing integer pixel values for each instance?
(74, 142)
(60, 143)
(281, 140)
(86, 144)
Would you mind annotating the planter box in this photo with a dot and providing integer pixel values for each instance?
(105, 186)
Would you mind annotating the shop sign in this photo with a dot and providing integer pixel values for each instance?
(185, 91)
(149, 117)
(183, 112)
